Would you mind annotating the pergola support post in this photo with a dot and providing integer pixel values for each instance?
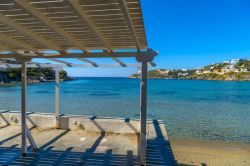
(24, 128)
(57, 91)
(143, 113)
(23, 111)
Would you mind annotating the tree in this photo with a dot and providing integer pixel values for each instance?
(48, 73)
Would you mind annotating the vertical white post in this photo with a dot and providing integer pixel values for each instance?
(23, 113)
(143, 114)
(57, 81)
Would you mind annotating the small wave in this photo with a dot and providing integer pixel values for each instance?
(165, 92)
(74, 91)
(67, 91)
(9, 90)
(104, 94)
(44, 91)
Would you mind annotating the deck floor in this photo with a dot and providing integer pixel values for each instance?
(76, 147)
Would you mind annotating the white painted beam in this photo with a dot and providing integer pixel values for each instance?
(119, 62)
(88, 61)
(145, 54)
(60, 61)
(41, 65)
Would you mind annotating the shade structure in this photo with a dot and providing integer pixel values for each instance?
(79, 29)
(36, 25)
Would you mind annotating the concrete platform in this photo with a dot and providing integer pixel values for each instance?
(82, 141)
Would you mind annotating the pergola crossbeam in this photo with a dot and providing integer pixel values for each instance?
(152, 64)
(90, 55)
(88, 61)
(42, 65)
(60, 61)
(119, 62)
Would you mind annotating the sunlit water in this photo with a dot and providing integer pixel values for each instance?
(203, 110)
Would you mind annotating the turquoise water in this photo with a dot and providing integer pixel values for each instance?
(191, 109)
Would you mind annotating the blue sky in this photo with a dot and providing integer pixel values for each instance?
(190, 34)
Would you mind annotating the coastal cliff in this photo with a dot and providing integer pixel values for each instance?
(234, 70)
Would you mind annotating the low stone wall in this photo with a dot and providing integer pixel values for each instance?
(40, 120)
(73, 122)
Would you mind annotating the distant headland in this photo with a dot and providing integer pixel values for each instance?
(11, 76)
(232, 70)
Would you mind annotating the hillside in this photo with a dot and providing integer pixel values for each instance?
(234, 70)
(34, 75)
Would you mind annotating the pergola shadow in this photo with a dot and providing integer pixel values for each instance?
(4, 119)
(159, 152)
(67, 157)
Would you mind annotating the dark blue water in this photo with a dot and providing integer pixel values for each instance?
(191, 109)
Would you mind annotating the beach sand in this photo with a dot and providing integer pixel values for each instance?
(210, 153)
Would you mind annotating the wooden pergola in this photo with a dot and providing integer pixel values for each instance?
(82, 29)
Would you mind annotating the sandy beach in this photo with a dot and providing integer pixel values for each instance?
(210, 153)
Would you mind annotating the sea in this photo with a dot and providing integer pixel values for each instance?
(190, 109)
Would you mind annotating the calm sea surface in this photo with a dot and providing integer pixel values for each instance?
(203, 110)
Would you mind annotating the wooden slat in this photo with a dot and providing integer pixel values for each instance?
(27, 32)
(16, 42)
(89, 23)
(5, 48)
(125, 11)
(93, 27)
(27, 6)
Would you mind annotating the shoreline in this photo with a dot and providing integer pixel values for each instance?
(33, 82)
(157, 78)
(215, 153)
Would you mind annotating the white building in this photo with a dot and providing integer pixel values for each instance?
(226, 62)
(234, 61)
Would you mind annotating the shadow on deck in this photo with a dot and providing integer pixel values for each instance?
(159, 152)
